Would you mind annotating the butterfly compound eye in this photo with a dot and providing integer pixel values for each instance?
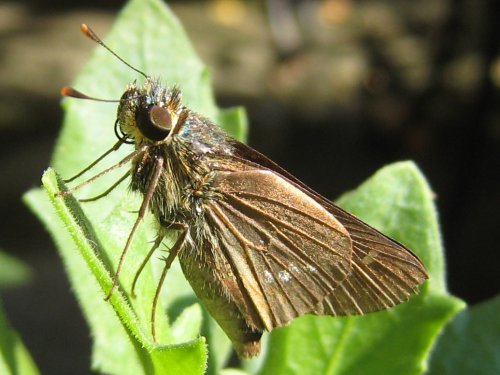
(154, 122)
(160, 117)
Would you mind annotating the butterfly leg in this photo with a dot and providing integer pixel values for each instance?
(115, 147)
(181, 240)
(120, 164)
(109, 190)
(158, 168)
(145, 261)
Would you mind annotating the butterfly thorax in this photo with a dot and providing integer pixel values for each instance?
(182, 188)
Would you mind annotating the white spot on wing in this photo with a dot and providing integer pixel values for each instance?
(284, 276)
(268, 277)
(293, 267)
(311, 268)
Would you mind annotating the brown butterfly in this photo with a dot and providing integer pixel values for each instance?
(258, 247)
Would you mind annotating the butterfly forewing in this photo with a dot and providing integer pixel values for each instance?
(384, 273)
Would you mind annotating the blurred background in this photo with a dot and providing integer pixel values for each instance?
(334, 90)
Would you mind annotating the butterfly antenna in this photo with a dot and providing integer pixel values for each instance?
(73, 93)
(89, 33)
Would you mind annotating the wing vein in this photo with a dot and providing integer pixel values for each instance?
(244, 245)
(282, 223)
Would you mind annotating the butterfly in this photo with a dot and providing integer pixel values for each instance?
(259, 247)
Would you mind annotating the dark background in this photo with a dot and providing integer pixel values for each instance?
(334, 90)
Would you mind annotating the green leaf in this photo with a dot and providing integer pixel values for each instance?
(235, 122)
(470, 344)
(14, 357)
(233, 371)
(121, 345)
(13, 272)
(90, 239)
(397, 201)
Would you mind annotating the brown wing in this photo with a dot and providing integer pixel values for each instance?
(384, 273)
(287, 250)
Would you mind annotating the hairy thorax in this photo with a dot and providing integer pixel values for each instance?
(184, 186)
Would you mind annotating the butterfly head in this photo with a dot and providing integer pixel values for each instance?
(149, 113)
